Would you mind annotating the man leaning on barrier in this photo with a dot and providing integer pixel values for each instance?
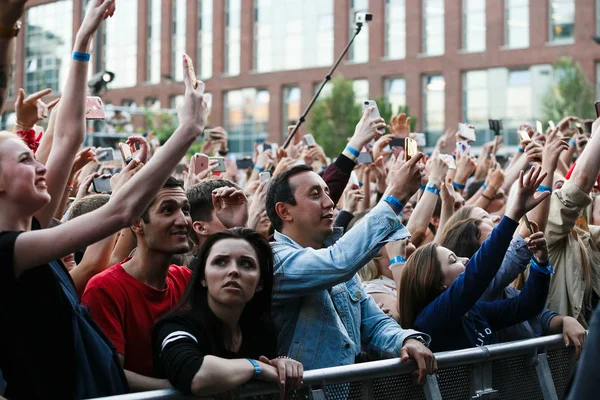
(324, 316)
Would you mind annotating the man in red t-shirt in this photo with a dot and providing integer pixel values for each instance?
(129, 297)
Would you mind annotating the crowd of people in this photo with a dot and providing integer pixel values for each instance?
(209, 281)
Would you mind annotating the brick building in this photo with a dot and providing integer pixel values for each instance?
(449, 60)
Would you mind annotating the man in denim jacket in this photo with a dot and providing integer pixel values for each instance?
(323, 314)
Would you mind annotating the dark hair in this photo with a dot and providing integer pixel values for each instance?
(200, 198)
(420, 284)
(473, 188)
(463, 237)
(87, 204)
(280, 191)
(169, 184)
(194, 303)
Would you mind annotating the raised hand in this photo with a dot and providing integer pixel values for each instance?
(366, 129)
(257, 205)
(465, 166)
(32, 109)
(400, 125)
(527, 198)
(437, 168)
(555, 144)
(194, 110)
(231, 206)
(97, 11)
(379, 147)
(563, 124)
(118, 180)
(405, 178)
(534, 151)
(83, 157)
(352, 196)
(143, 152)
(538, 246)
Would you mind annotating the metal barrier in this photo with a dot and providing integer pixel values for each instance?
(531, 369)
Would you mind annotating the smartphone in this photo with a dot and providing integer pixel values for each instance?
(467, 132)
(523, 135)
(101, 185)
(125, 152)
(244, 163)
(105, 154)
(495, 125)
(264, 147)
(375, 113)
(94, 109)
(420, 138)
(264, 176)
(410, 148)
(201, 162)
(462, 148)
(364, 158)
(309, 139)
(551, 125)
(588, 125)
(449, 160)
(221, 167)
(539, 127)
(397, 142)
(191, 70)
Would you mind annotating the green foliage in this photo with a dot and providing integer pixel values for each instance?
(386, 112)
(163, 125)
(571, 93)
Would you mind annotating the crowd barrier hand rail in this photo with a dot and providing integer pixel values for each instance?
(382, 368)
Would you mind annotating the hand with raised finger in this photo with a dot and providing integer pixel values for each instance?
(564, 123)
(527, 197)
(554, 146)
(117, 181)
(143, 145)
(574, 333)
(83, 157)
(84, 187)
(534, 151)
(379, 147)
(366, 129)
(97, 11)
(400, 125)
(415, 350)
(194, 110)
(31, 109)
(231, 206)
(405, 179)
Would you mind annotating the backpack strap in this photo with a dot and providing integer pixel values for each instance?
(65, 282)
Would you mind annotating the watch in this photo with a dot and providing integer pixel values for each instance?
(6, 32)
(419, 338)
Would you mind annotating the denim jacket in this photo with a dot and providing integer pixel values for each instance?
(322, 312)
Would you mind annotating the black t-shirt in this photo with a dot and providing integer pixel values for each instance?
(179, 347)
(36, 339)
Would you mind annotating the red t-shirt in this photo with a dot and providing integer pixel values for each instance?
(126, 310)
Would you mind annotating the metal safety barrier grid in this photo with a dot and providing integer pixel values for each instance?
(531, 369)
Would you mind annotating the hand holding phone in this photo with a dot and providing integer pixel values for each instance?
(101, 184)
(364, 157)
(264, 176)
(201, 162)
(467, 132)
(410, 148)
(463, 148)
(125, 152)
(374, 113)
(309, 139)
(221, 167)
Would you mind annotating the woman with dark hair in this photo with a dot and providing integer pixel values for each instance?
(439, 292)
(220, 335)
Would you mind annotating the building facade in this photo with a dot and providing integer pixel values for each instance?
(448, 60)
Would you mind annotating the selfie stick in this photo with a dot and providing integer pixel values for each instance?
(359, 18)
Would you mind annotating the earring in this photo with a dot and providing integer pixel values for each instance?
(203, 283)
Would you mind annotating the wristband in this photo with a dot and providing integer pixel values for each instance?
(257, 369)
(397, 260)
(352, 151)
(394, 202)
(324, 167)
(521, 150)
(433, 190)
(422, 187)
(543, 188)
(458, 185)
(486, 197)
(78, 56)
(573, 143)
(544, 269)
(259, 169)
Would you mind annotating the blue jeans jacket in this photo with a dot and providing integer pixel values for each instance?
(322, 312)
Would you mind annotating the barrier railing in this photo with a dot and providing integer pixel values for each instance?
(531, 369)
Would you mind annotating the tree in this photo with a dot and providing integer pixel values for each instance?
(571, 93)
(164, 125)
(333, 118)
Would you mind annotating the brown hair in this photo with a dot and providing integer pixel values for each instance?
(462, 237)
(460, 215)
(420, 284)
(87, 204)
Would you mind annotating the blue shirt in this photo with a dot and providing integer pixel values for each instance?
(322, 312)
(457, 320)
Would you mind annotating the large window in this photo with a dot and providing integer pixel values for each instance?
(434, 107)
(562, 20)
(48, 36)
(361, 90)
(395, 92)
(359, 51)
(516, 23)
(433, 27)
(395, 29)
(120, 45)
(178, 39)
(519, 106)
(205, 38)
(291, 106)
(246, 118)
(233, 15)
(153, 49)
(474, 27)
(475, 102)
(292, 34)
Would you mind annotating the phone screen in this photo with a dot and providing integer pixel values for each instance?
(244, 163)
(364, 158)
(397, 142)
(410, 148)
(102, 185)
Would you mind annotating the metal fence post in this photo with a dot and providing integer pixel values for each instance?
(545, 377)
(431, 388)
(481, 382)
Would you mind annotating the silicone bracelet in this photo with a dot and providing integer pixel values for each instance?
(521, 150)
(458, 185)
(546, 269)
(257, 369)
(573, 143)
(78, 56)
(543, 188)
(353, 151)
(397, 260)
(394, 202)
(259, 169)
(484, 186)
(432, 190)
(422, 187)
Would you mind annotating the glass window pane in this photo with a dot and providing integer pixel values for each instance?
(233, 9)
(292, 34)
(434, 107)
(178, 40)
(205, 38)
(474, 26)
(48, 37)
(433, 27)
(361, 90)
(246, 116)
(153, 50)
(359, 51)
(291, 106)
(395, 93)
(562, 20)
(516, 23)
(395, 29)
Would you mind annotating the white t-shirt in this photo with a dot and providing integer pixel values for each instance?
(382, 284)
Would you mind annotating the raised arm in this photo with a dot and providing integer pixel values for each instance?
(126, 205)
(588, 165)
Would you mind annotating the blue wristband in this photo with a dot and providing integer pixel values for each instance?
(78, 56)
(543, 188)
(433, 190)
(573, 143)
(397, 260)
(259, 169)
(257, 369)
(458, 185)
(394, 202)
(484, 186)
(521, 150)
(353, 151)
(546, 269)
(422, 187)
